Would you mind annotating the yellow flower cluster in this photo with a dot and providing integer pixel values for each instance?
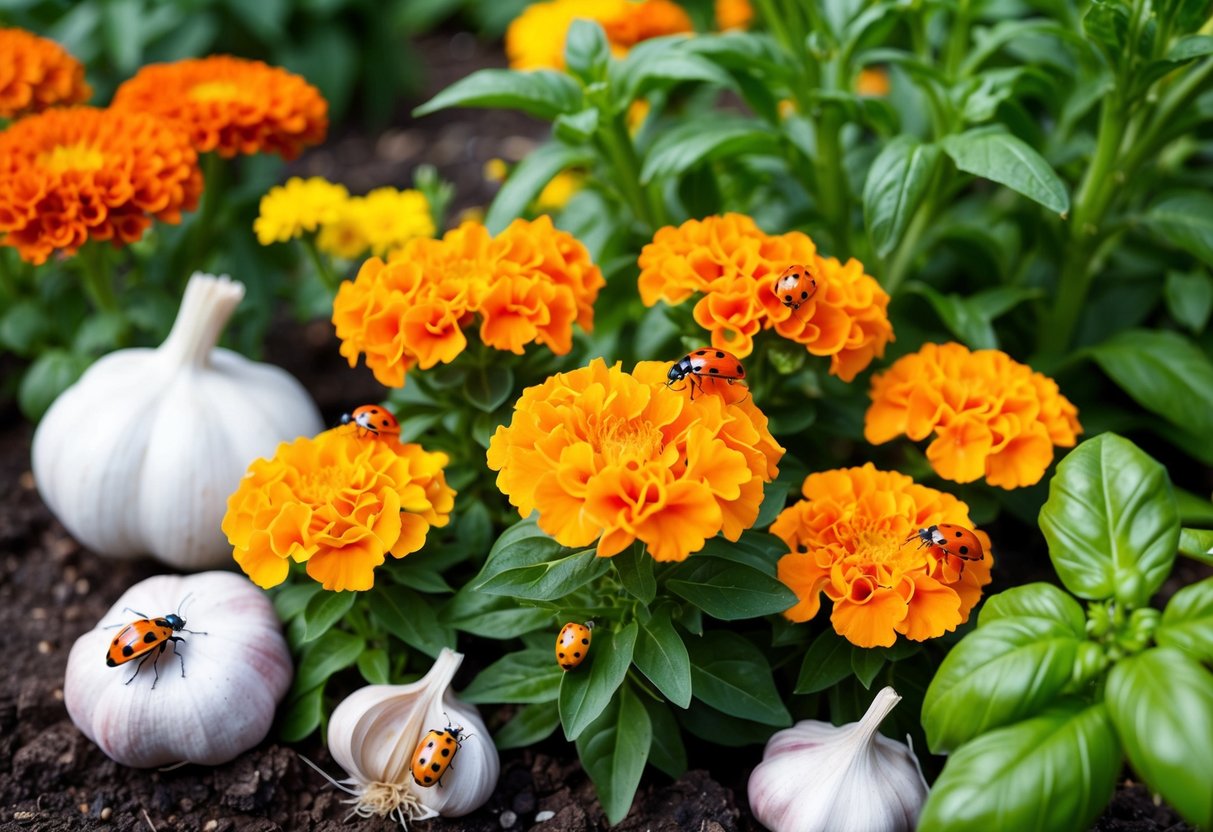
(535, 39)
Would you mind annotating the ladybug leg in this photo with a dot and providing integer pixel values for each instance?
(140, 667)
(156, 663)
(135, 612)
(177, 642)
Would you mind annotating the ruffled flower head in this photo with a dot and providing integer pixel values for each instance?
(74, 174)
(340, 503)
(36, 74)
(300, 206)
(847, 538)
(992, 417)
(730, 264)
(733, 14)
(231, 105)
(535, 39)
(529, 284)
(614, 457)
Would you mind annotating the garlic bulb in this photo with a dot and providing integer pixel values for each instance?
(140, 455)
(815, 777)
(374, 733)
(237, 668)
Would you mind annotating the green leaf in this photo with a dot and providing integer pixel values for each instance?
(897, 181)
(301, 715)
(525, 677)
(1185, 219)
(1052, 773)
(532, 724)
(1197, 544)
(1038, 600)
(325, 610)
(1107, 22)
(290, 601)
(406, 615)
(703, 139)
(1008, 160)
(586, 51)
(544, 94)
(1191, 47)
(487, 388)
(331, 653)
(667, 752)
(50, 374)
(731, 674)
(656, 65)
(536, 573)
(613, 751)
(970, 317)
(635, 570)
(866, 664)
(727, 590)
(999, 673)
(585, 692)
(1161, 702)
(1189, 299)
(826, 663)
(663, 658)
(374, 666)
(22, 326)
(529, 178)
(491, 616)
(1111, 521)
(577, 128)
(1187, 622)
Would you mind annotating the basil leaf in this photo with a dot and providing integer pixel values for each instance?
(1008, 160)
(613, 751)
(727, 590)
(731, 674)
(524, 677)
(544, 94)
(1187, 622)
(897, 182)
(1038, 600)
(663, 658)
(586, 691)
(532, 724)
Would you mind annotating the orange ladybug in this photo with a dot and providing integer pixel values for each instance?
(434, 754)
(951, 540)
(705, 364)
(148, 637)
(371, 419)
(573, 644)
(795, 286)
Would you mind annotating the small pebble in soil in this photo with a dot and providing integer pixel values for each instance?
(211, 825)
(45, 647)
(508, 819)
(107, 813)
(545, 815)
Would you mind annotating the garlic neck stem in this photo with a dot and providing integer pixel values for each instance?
(880, 708)
(208, 303)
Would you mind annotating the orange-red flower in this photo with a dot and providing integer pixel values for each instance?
(847, 538)
(873, 81)
(37, 73)
(730, 264)
(74, 174)
(535, 39)
(529, 284)
(231, 105)
(992, 417)
(614, 457)
(733, 14)
(341, 503)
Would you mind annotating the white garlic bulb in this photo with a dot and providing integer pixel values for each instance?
(374, 734)
(237, 668)
(139, 456)
(816, 777)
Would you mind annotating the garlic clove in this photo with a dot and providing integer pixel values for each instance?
(235, 675)
(816, 777)
(374, 733)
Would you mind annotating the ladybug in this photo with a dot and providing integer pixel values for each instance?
(573, 644)
(371, 419)
(795, 286)
(705, 364)
(148, 637)
(434, 754)
(951, 540)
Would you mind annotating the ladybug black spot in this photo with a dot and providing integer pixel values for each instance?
(804, 295)
(964, 550)
(740, 370)
(714, 370)
(568, 666)
(576, 655)
(788, 298)
(422, 761)
(385, 423)
(128, 651)
(960, 534)
(429, 779)
(585, 641)
(719, 354)
(702, 352)
(436, 767)
(560, 655)
(109, 660)
(446, 752)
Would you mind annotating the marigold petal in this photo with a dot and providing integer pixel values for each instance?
(804, 577)
(868, 615)
(933, 609)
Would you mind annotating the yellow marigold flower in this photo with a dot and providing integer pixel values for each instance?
(733, 14)
(301, 205)
(991, 415)
(496, 170)
(557, 192)
(730, 263)
(37, 73)
(343, 236)
(529, 284)
(616, 457)
(74, 174)
(231, 105)
(847, 538)
(339, 503)
(535, 39)
(873, 81)
(389, 218)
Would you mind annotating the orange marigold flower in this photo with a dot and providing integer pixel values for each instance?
(991, 415)
(529, 284)
(638, 22)
(231, 105)
(74, 174)
(847, 538)
(616, 457)
(730, 263)
(733, 14)
(37, 73)
(535, 39)
(873, 81)
(339, 503)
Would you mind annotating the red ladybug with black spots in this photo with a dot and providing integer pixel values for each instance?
(573, 644)
(705, 365)
(373, 420)
(434, 754)
(952, 540)
(148, 637)
(795, 286)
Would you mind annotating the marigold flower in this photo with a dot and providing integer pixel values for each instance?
(616, 457)
(529, 284)
(873, 81)
(991, 415)
(388, 218)
(847, 538)
(74, 174)
(301, 205)
(559, 190)
(731, 263)
(231, 105)
(733, 14)
(339, 503)
(37, 73)
(535, 39)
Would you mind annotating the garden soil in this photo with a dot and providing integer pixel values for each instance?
(52, 590)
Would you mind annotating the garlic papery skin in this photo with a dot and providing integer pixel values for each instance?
(815, 777)
(235, 674)
(139, 455)
(374, 733)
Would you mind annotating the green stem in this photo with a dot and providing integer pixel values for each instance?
(903, 256)
(203, 231)
(832, 186)
(775, 22)
(324, 270)
(958, 39)
(95, 279)
(619, 149)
